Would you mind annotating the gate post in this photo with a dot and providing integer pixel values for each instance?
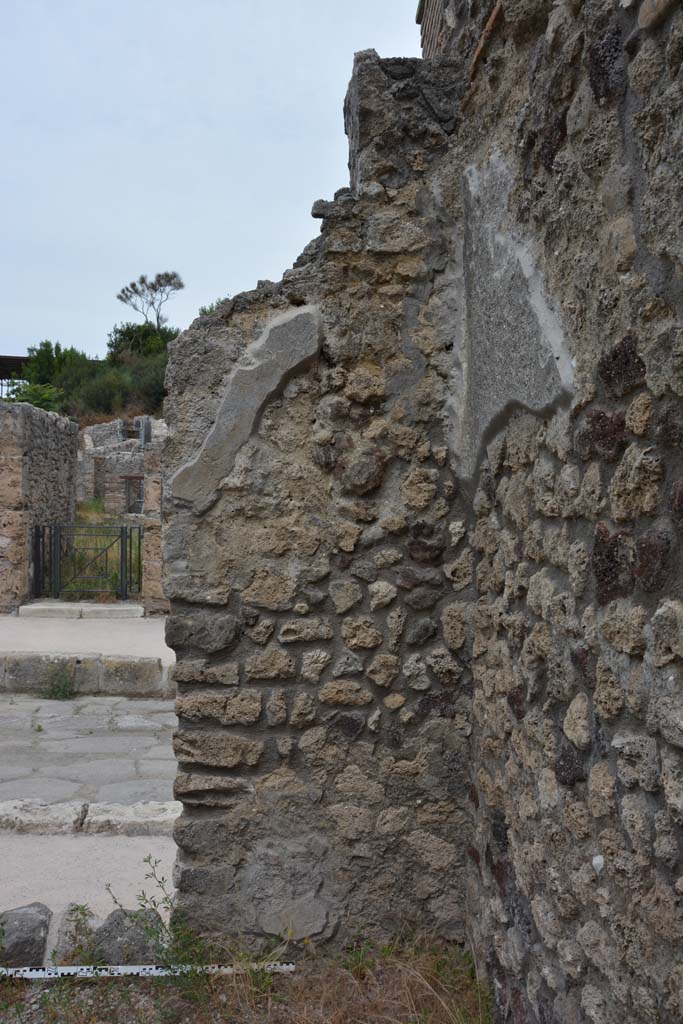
(56, 559)
(124, 563)
(38, 567)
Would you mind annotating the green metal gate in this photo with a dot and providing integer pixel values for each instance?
(75, 561)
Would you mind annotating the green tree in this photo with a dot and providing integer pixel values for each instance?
(147, 297)
(43, 396)
(126, 340)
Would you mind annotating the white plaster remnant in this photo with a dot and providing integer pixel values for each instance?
(285, 347)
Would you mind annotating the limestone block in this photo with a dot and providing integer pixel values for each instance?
(313, 664)
(271, 589)
(236, 707)
(384, 669)
(577, 722)
(271, 664)
(344, 594)
(216, 749)
(203, 630)
(361, 633)
(305, 630)
(344, 691)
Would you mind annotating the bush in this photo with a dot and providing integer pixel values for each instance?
(128, 340)
(43, 396)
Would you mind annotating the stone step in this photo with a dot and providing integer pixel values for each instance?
(53, 609)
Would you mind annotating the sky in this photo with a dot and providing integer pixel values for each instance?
(150, 135)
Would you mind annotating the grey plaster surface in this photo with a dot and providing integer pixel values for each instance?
(102, 749)
(137, 637)
(510, 349)
(285, 347)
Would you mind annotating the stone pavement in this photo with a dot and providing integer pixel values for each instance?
(91, 749)
(59, 870)
(134, 637)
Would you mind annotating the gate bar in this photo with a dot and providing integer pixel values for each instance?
(124, 563)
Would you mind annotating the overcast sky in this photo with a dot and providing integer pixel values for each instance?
(149, 135)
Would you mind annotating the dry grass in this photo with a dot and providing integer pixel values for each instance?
(418, 983)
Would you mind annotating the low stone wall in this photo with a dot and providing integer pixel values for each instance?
(37, 487)
(73, 675)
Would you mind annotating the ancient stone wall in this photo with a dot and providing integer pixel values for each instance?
(323, 732)
(568, 147)
(37, 487)
(422, 541)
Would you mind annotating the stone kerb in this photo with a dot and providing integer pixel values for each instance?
(103, 675)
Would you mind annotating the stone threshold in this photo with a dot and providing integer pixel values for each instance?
(53, 609)
(36, 817)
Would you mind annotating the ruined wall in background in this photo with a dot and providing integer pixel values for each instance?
(37, 487)
(423, 528)
(153, 597)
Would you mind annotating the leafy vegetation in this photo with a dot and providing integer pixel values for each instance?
(61, 686)
(129, 381)
(212, 306)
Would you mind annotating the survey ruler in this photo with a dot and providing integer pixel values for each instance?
(138, 971)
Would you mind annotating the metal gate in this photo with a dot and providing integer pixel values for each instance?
(70, 561)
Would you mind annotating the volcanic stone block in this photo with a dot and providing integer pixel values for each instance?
(23, 934)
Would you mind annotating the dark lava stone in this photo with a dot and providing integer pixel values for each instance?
(612, 564)
(442, 705)
(622, 369)
(606, 66)
(421, 631)
(602, 435)
(422, 598)
(670, 426)
(365, 571)
(347, 727)
(653, 564)
(676, 502)
(410, 576)
(364, 472)
(568, 767)
(516, 700)
(325, 456)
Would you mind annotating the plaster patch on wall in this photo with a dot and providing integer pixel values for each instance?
(510, 348)
(285, 347)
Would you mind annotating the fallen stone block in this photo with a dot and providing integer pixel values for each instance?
(129, 937)
(23, 934)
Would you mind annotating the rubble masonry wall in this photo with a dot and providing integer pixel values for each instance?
(423, 501)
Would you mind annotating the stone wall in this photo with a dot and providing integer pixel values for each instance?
(422, 534)
(109, 453)
(153, 596)
(37, 487)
